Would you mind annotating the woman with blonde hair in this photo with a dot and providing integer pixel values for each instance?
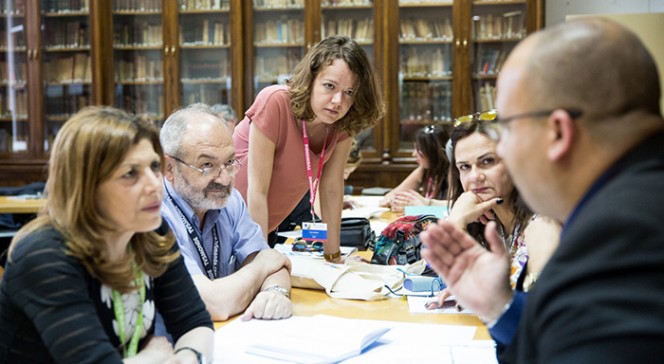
(84, 280)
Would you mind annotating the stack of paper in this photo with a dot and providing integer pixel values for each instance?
(402, 343)
(317, 339)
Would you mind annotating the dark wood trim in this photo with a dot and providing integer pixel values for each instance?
(237, 57)
(101, 22)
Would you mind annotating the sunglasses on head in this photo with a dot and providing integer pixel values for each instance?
(301, 245)
(489, 115)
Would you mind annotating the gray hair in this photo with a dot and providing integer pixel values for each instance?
(175, 126)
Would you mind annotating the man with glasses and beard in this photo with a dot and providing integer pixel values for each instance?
(224, 250)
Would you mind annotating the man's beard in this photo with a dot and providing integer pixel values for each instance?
(202, 200)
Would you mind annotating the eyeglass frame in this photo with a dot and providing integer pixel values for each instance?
(488, 127)
(207, 172)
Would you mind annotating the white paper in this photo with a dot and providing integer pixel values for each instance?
(287, 249)
(366, 212)
(404, 343)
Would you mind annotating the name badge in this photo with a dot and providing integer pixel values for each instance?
(314, 231)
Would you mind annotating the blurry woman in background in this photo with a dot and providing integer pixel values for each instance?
(84, 279)
(427, 184)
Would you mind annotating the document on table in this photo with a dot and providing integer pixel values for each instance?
(403, 343)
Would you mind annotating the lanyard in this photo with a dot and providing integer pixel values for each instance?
(429, 191)
(118, 308)
(211, 269)
(313, 185)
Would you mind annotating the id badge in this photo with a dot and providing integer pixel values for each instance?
(314, 231)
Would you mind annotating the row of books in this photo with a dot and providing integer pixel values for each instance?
(138, 35)
(16, 7)
(14, 107)
(205, 70)
(14, 76)
(12, 41)
(70, 69)
(423, 29)
(137, 5)
(426, 102)
(361, 30)
(66, 6)
(284, 30)
(204, 4)
(347, 3)
(279, 4)
(144, 101)
(485, 94)
(139, 69)
(72, 34)
(62, 101)
(205, 33)
(209, 94)
(270, 67)
(489, 61)
(499, 26)
(430, 62)
(419, 2)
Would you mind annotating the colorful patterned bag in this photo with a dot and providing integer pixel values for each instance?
(399, 242)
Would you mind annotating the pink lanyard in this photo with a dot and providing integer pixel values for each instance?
(313, 185)
(429, 191)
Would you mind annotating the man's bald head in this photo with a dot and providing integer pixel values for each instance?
(594, 65)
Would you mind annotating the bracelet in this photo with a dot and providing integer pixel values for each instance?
(332, 257)
(199, 356)
(279, 289)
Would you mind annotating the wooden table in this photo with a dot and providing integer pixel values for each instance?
(310, 302)
(12, 205)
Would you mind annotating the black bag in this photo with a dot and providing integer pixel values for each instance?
(356, 232)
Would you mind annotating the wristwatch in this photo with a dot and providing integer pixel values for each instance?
(199, 356)
(332, 257)
(279, 289)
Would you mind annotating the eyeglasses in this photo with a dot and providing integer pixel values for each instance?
(488, 115)
(231, 167)
(494, 128)
(301, 245)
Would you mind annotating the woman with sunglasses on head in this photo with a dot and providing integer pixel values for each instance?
(84, 280)
(481, 190)
(427, 184)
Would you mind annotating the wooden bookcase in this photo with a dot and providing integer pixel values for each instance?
(437, 59)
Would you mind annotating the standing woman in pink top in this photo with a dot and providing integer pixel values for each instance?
(298, 134)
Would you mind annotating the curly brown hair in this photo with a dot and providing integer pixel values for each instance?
(368, 105)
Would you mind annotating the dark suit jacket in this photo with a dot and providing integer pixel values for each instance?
(600, 299)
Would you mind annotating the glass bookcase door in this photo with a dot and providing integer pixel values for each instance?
(354, 18)
(67, 70)
(205, 63)
(497, 26)
(137, 57)
(425, 66)
(14, 127)
(278, 40)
